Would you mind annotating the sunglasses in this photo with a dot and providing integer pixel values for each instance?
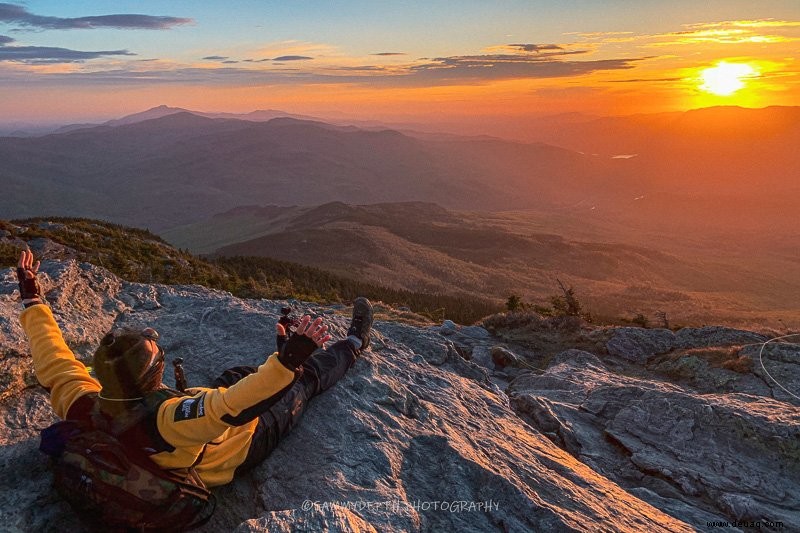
(149, 334)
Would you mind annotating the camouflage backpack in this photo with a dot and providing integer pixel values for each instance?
(114, 487)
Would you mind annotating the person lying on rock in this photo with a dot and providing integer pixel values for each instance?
(222, 431)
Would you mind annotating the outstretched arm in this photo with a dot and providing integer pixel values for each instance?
(53, 362)
(30, 292)
(206, 415)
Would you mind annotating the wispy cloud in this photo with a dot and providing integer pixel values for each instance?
(534, 47)
(502, 67)
(536, 52)
(759, 23)
(49, 54)
(435, 72)
(292, 58)
(722, 36)
(17, 14)
(272, 51)
(324, 64)
(736, 32)
(729, 32)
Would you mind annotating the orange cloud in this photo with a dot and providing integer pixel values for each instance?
(722, 36)
(732, 32)
(701, 33)
(761, 23)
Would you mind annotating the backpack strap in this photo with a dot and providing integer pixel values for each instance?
(137, 426)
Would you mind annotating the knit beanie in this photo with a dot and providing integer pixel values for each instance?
(126, 365)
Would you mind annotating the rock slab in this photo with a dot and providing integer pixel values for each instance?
(398, 430)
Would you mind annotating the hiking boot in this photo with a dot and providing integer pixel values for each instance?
(361, 324)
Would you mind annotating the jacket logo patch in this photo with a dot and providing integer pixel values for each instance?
(191, 408)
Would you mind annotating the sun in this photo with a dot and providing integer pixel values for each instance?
(725, 78)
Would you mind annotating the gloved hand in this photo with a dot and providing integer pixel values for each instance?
(29, 288)
(307, 337)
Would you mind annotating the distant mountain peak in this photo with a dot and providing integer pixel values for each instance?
(181, 119)
(153, 112)
(259, 115)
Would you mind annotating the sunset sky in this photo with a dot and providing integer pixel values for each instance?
(395, 61)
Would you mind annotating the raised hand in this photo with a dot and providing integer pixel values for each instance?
(29, 288)
(306, 339)
(315, 330)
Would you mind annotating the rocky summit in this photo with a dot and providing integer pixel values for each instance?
(637, 430)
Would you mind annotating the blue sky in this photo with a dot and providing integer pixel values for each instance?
(359, 27)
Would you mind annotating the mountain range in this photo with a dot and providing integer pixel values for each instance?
(22, 129)
(167, 167)
(423, 247)
(182, 167)
(698, 205)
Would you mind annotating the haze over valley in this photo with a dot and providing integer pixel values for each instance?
(675, 226)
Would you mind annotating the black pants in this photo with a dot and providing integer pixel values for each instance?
(320, 372)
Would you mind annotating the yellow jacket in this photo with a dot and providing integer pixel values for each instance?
(213, 425)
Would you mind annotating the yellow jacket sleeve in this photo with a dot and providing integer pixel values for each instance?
(54, 363)
(201, 418)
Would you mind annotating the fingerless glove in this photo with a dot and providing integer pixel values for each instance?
(296, 350)
(280, 340)
(28, 287)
